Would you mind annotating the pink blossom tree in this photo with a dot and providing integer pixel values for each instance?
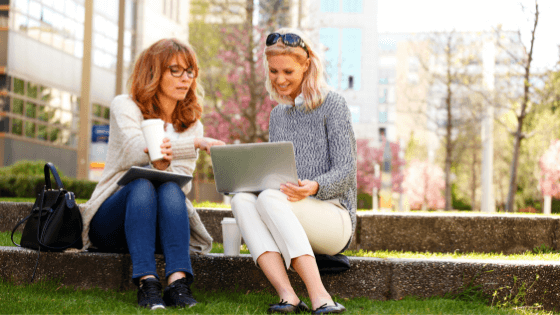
(550, 170)
(368, 157)
(423, 184)
(240, 107)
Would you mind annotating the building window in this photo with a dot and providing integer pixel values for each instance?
(44, 113)
(355, 113)
(352, 6)
(351, 53)
(350, 82)
(330, 38)
(383, 96)
(171, 9)
(381, 134)
(383, 117)
(330, 6)
(60, 24)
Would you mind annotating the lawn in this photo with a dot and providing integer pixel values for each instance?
(51, 297)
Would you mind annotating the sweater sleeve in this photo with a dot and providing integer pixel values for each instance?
(342, 152)
(126, 116)
(183, 148)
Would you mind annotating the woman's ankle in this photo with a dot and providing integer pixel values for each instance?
(175, 276)
(319, 301)
(290, 297)
(146, 277)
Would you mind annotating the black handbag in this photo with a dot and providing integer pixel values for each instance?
(55, 221)
(328, 264)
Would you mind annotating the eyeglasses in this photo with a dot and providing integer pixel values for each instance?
(288, 39)
(178, 71)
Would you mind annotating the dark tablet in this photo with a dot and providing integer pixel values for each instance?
(156, 176)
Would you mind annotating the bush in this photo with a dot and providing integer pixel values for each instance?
(25, 167)
(365, 201)
(26, 179)
(456, 202)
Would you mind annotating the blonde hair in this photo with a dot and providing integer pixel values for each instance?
(313, 86)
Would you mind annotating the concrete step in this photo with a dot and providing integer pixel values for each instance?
(374, 278)
(406, 231)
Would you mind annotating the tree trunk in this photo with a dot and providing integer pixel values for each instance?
(448, 132)
(519, 134)
(513, 171)
(473, 183)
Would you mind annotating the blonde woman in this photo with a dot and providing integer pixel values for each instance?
(287, 227)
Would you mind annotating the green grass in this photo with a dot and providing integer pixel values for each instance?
(538, 253)
(203, 204)
(51, 297)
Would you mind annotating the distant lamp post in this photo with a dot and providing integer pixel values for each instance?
(487, 203)
(385, 198)
(375, 190)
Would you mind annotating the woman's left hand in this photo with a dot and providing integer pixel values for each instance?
(296, 193)
(167, 155)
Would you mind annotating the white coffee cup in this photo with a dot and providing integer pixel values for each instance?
(153, 134)
(231, 236)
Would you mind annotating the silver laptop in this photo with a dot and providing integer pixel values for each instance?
(253, 167)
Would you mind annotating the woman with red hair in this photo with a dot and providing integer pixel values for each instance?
(144, 218)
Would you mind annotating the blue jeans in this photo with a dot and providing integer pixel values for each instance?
(141, 217)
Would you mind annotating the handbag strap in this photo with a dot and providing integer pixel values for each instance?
(17, 225)
(49, 167)
(40, 235)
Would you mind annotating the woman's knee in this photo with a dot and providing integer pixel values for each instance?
(239, 201)
(270, 195)
(142, 190)
(171, 199)
(171, 191)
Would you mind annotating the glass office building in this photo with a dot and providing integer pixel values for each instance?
(41, 50)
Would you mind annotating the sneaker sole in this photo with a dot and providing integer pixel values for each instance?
(157, 307)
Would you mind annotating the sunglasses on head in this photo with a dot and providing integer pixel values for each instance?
(289, 39)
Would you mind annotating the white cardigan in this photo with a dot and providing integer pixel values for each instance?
(126, 148)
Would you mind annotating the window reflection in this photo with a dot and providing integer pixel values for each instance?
(59, 5)
(69, 46)
(21, 5)
(34, 30)
(70, 9)
(20, 22)
(59, 23)
(35, 10)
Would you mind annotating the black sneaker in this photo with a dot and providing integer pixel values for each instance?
(179, 294)
(149, 294)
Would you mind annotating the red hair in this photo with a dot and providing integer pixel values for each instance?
(146, 77)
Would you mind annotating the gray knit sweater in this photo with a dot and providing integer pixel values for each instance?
(324, 145)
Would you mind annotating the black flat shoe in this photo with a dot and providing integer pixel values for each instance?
(330, 309)
(284, 307)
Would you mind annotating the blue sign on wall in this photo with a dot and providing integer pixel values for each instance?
(100, 133)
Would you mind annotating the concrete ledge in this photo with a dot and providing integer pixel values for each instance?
(463, 232)
(412, 231)
(376, 279)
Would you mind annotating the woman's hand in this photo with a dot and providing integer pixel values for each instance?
(167, 155)
(206, 143)
(296, 193)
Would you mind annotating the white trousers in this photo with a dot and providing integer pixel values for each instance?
(270, 223)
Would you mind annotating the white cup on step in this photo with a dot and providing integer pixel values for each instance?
(231, 236)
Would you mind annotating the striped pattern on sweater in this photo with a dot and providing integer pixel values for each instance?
(324, 145)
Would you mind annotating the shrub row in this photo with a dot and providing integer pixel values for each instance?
(26, 179)
(28, 186)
